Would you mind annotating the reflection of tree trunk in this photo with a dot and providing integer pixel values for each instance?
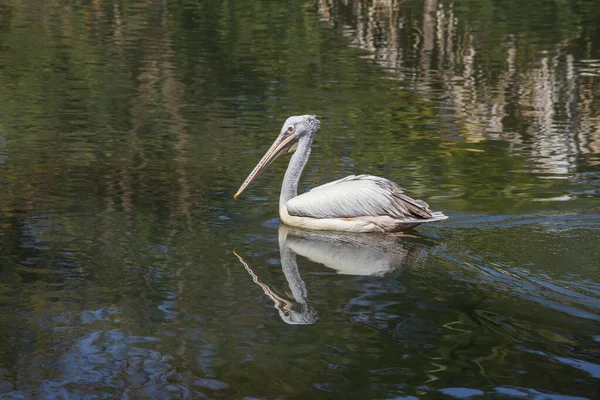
(118, 32)
(495, 124)
(445, 69)
(173, 103)
(428, 43)
(588, 126)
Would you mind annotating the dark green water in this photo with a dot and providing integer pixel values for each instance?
(126, 127)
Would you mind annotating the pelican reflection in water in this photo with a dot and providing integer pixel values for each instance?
(357, 203)
(347, 253)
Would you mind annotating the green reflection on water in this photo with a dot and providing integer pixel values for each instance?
(127, 126)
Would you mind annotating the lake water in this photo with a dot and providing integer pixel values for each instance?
(127, 126)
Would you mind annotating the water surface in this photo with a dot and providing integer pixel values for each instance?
(126, 127)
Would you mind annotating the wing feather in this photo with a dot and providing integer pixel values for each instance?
(357, 196)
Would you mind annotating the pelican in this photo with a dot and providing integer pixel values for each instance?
(357, 203)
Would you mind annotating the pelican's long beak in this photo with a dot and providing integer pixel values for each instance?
(283, 144)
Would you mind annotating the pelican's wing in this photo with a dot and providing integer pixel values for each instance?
(356, 196)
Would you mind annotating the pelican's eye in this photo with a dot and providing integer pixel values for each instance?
(287, 313)
(290, 129)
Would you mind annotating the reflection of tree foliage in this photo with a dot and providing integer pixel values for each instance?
(493, 72)
(129, 123)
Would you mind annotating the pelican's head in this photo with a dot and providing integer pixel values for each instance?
(295, 129)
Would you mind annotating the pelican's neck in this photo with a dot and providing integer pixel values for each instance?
(289, 187)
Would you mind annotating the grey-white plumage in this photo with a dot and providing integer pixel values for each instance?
(357, 196)
(357, 203)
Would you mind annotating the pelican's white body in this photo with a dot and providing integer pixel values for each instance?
(380, 223)
(362, 203)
